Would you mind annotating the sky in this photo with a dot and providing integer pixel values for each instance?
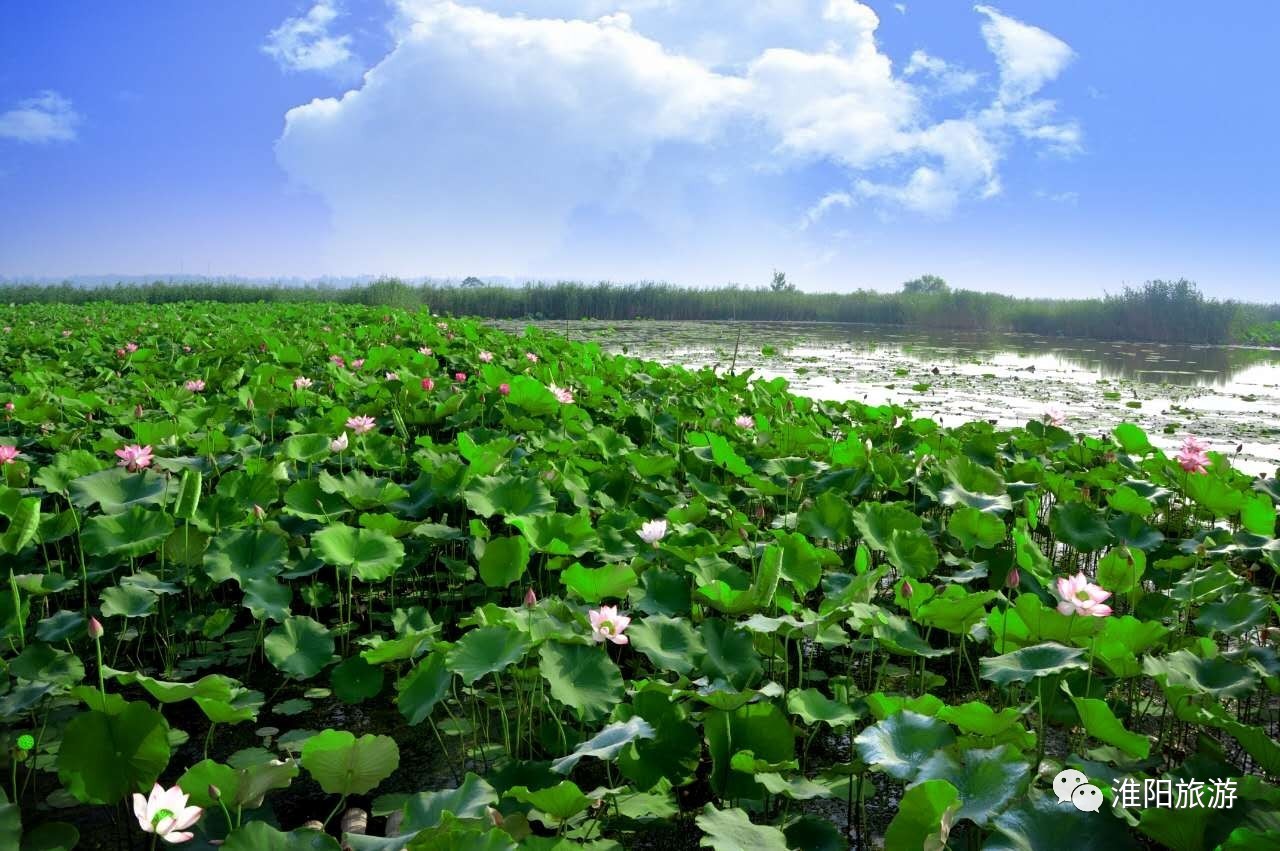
(1024, 147)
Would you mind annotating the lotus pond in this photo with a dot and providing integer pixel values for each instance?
(299, 577)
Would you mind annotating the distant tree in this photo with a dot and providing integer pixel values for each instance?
(780, 284)
(472, 282)
(926, 285)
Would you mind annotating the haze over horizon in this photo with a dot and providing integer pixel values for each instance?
(1022, 148)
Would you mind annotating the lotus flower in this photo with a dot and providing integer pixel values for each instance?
(166, 814)
(486, 357)
(908, 590)
(653, 531)
(428, 385)
(134, 457)
(744, 421)
(7, 454)
(425, 350)
(95, 628)
(1193, 456)
(9, 406)
(1054, 416)
(195, 385)
(302, 382)
(121, 353)
(1080, 597)
(130, 347)
(564, 394)
(337, 360)
(339, 444)
(391, 376)
(186, 349)
(66, 333)
(530, 598)
(459, 376)
(504, 389)
(361, 424)
(357, 363)
(1013, 579)
(608, 625)
(530, 357)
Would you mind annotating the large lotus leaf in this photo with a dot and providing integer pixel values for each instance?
(954, 610)
(116, 489)
(1132, 439)
(260, 836)
(40, 662)
(422, 688)
(798, 561)
(979, 719)
(606, 744)
(761, 728)
(593, 584)
(730, 653)
(128, 601)
(24, 522)
(813, 707)
(508, 495)
(486, 651)
(1080, 526)
(1235, 615)
(50, 836)
(1134, 532)
(830, 518)
(1258, 515)
(104, 758)
(267, 599)
(471, 800)
(877, 522)
(976, 529)
(504, 561)
(1121, 569)
(363, 491)
(924, 818)
(300, 647)
(987, 780)
(581, 677)
(260, 778)
(345, 765)
(1029, 663)
(1040, 823)
(899, 744)
(558, 534)
(198, 778)
(1215, 494)
(215, 686)
(1129, 501)
(532, 395)
(733, 830)
(554, 804)
(355, 680)
(372, 554)
(308, 500)
(132, 532)
(1217, 676)
(672, 755)
(1101, 723)
(898, 635)
(912, 552)
(245, 555)
(670, 643)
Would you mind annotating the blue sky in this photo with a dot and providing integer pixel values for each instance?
(1026, 147)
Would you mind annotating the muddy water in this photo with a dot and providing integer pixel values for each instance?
(1229, 395)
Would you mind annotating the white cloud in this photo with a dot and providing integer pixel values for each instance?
(1058, 197)
(487, 137)
(306, 44)
(951, 79)
(901, 7)
(47, 117)
(1028, 56)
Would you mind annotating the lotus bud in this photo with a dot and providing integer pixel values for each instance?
(428, 385)
(95, 628)
(214, 792)
(258, 511)
(504, 389)
(137, 410)
(907, 590)
(530, 598)
(1014, 579)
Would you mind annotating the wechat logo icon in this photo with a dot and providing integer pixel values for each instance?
(1073, 787)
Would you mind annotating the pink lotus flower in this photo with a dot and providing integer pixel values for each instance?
(357, 363)
(196, 385)
(7, 454)
(443, 326)
(130, 347)
(908, 590)
(120, 353)
(9, 406)
(530, 598)
(302, 382)
(391, 376)
(362, 424)
(1013, 579)
(1193, 457)
(425, 350)
(8, 329)
(428, 385)
(530, 357)
(134, 457)
(66, 333)
(1078, 596)
(339, 444)
(459, 376)
(564, 394)
(1054, 416)
(486, 357)
(504, 389)
(653, 531)
(744, 421)
(337, 360)
(95, 628)
(166, 814)
(608, 625)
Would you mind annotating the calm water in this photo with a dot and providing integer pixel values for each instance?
(1228, 394)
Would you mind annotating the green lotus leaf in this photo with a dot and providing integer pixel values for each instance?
(40, 662)
(730, 653)
(1101, 723)
(116, 490)
(471, 800)
(1040, 823)
(1235, 615)
(581, 677)
(1029, 663)
(371, 554)
(554, 804)
(814, 707)
(355, 680)
(1129, 501)
(50, 836)
(197, 779)
(987, 780)
(300, 647)
(1217, 676)
(671, 756)
(504, 561)
(1132, 439)
(877, 522)
(133, 532)
(486, 651)
(215, 686)
(61, 625)
(103, 758)
(671, 644)
(925, 816)
(732, 830)
(260, 836)
(606, 744)
(593, 584)
(899, 744)
(245, 555)
(761, 728)
(979, 719)
(127, 601)
(24, 522)
(508, 495)
(1258, 515)
(830, 518)
(345, 765)
(558, 534)
(267, 599)
(423, 687)
(976, 529)
(1080, 526)
(306, 499)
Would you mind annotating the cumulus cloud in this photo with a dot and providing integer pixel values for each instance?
(47, 117)
(490, 137)
(1028, 56)
(305, 43)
